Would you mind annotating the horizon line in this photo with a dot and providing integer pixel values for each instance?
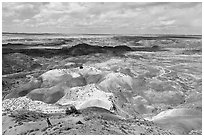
(4, 32)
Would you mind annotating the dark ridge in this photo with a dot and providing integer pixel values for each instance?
(78, 50)
(27, 39)
(13, 44)
(160, 37)
(85, 49)
(193, 51)
(57, 42)
(149, 49)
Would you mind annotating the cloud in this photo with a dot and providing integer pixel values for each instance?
(167, 22)
(112, 17)
(13, 8)
(16, 20)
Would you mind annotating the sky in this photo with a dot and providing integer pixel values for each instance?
(103, 18)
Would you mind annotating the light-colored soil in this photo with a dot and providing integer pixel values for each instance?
(137, 92)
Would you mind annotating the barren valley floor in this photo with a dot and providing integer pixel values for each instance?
(59, 84)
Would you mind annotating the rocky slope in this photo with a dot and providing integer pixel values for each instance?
(130, 92)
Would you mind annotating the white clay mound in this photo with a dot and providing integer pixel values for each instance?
(86, 96)
(109, 63)
(180, 120)
(53, 77)
(24, 103)
(113, 81)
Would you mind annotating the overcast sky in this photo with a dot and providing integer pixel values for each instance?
(114, 18)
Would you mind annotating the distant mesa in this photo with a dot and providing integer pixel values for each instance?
(12, 44)
(76, 50)
(85, 49)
